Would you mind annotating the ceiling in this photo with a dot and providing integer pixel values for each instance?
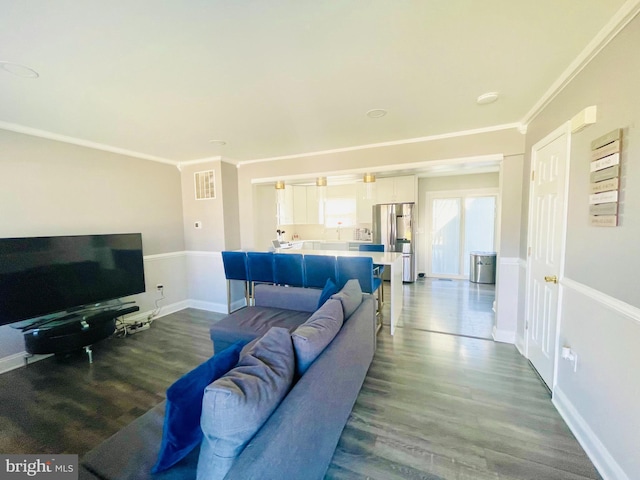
(161, 79)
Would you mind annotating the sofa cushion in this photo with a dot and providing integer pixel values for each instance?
(311, 338)
(350, 296)
(252, 322)
(288, 298)
(329, 289)
(235, 406)
(182, 432)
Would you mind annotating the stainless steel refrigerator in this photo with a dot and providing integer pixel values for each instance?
(393, 227)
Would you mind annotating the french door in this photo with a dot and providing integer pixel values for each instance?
(461, 223)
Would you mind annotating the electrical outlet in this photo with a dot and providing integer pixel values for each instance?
(160, 287)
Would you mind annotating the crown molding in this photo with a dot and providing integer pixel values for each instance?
(627, 12)
(430, 138)
(34, 132)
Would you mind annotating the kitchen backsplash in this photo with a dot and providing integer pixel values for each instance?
(320, 232)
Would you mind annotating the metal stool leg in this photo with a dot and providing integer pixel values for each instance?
(89, 353)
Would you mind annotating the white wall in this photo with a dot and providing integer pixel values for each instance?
(53, 188)
(220, 231)
(600, 314)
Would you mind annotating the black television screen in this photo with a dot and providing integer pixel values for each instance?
(46, 275)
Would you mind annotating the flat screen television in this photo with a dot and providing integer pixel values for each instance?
(46, 275)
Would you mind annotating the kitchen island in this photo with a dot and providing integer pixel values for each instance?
(392, 259)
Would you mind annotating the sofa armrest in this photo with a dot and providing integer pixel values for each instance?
(287, 298)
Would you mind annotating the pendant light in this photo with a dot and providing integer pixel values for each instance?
(369, 180)
(321, 195)
(279, 201)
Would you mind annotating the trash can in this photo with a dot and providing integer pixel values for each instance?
(483, 267)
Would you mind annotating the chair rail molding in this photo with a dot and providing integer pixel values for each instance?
(618, 306)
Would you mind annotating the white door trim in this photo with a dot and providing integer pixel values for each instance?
(564, 129)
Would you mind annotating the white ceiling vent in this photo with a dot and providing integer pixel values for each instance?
(205, 185)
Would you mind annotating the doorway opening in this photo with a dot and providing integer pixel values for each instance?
(460, 222)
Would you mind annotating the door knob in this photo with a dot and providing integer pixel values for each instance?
(551, 279)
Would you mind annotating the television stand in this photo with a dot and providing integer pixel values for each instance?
(73, 332)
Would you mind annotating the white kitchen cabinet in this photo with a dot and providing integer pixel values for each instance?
(396, 189)
(363, 204)
(338, 245)
(299, 204)
(285, 210)
(312, 206)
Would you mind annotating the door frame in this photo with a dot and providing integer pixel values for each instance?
(472, 192)
(564, 129)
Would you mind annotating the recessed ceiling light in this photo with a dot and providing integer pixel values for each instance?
(487, 98)
(217, 142)
(376, 113)
(19, 70)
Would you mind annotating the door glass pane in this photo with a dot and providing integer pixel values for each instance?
(445, 258)
(479, 227)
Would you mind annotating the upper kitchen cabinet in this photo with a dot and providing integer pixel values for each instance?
(285, 209)
(300, 205)
(312, 206)
(396, 189)
(364, 204)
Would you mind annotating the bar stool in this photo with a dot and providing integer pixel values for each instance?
(317, 269)
(235, 268)
(288, 269)
(360, 268)
(260, 266)
(378, 269)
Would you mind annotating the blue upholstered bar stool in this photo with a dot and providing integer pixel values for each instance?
(360, 268)
(377, 268)
(317, 269)
(288, 269)
(260, 268)
(235, 268)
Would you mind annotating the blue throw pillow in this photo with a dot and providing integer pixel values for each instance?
(329, 289)
(182, 432)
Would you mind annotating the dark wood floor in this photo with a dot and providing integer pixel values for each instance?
(433, 405)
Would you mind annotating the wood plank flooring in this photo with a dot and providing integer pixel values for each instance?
(433, 406)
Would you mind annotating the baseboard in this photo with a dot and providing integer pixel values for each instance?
(210, 306)
(504, 336)
(17, 360)
(607, 467)
(165, 310)
(520, 345)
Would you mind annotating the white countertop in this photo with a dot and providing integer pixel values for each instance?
(382, 258)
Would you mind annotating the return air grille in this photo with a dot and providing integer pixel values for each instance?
(205, 185)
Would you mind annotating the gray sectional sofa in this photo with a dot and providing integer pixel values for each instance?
(298, 439)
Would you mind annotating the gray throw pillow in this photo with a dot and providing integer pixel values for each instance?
(312, 337)
(235, 406)
(350, 296)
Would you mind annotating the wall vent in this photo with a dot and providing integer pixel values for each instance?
(205, 185)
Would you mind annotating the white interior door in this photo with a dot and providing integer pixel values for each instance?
(547, 227)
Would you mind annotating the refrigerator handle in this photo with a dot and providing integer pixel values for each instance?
(392, 223)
